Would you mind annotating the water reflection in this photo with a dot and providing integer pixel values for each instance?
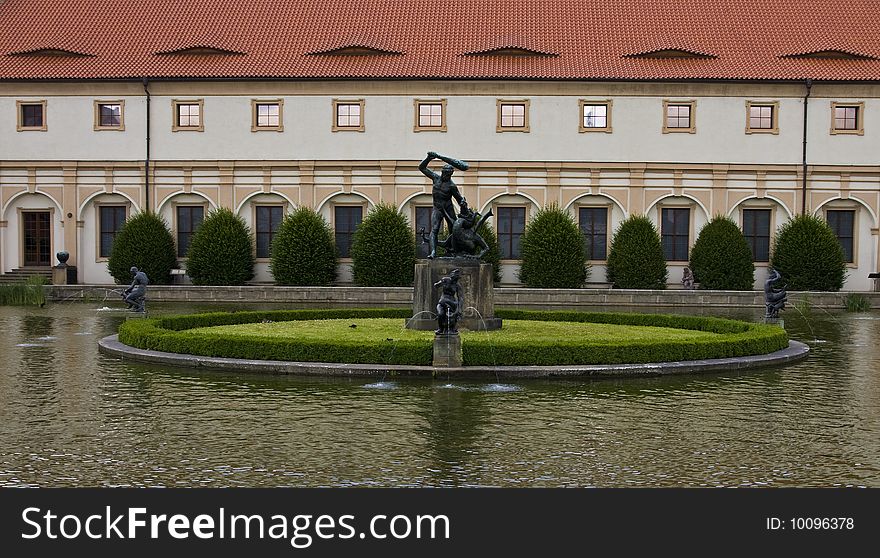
(72, 417)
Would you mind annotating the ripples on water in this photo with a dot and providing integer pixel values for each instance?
(72, 417)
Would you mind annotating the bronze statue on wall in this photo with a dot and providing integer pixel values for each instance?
(463, 239)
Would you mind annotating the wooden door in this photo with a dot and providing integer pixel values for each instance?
(37, 238)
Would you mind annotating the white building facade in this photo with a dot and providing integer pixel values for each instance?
(77, 157)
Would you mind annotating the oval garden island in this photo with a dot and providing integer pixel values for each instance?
(532, 344)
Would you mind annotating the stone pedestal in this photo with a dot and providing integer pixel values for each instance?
(447, 351)
(63, 274)
(478, 306)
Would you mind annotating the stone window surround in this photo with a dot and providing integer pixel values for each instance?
(693, 116)
(860, 118)
(336, 127)
(584, 102)
(255, 127)
(98, 127)
(419, 128)
(774, 126)
(20, 127)
(175, 127)
(502, 102)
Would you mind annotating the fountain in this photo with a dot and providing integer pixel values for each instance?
(475, 275)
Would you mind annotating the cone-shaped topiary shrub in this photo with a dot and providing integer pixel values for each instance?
(221, 250)
(303, 251)
(145, 242)
(721, 257)
(636, 259)
(553, 253)
(383, 250)
(808, 255)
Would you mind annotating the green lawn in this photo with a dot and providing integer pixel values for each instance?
(518, 331)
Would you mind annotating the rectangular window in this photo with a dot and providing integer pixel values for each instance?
(513, 116)
(678, 116)
(756, 229)
(842, 222)
(189, 217)
(595, 116)
(347, 219)
(109, 115)
(268, 219)
(111, 217)
(762, 118)
(423, 222)
(594, 224)
(430, 115)
(675, 230)
(511, 224)
(188, 116)
(267, 116)
(348, 115)
(31, 116)
(846, 118)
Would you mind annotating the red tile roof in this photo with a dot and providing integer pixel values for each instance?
(588, 39)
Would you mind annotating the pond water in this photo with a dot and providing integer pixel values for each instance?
(70, 416)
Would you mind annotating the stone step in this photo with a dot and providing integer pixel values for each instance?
(22, 274)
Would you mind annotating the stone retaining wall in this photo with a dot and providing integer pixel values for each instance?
(401, 297)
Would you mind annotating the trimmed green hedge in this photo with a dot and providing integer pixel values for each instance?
(735, 339)
(173, 334)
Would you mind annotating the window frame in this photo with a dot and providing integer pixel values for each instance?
(693, 116)
(20, 127)
(589, 102)
(417, 127)
(608, 231)
(335, 115)
(255, 117)
(175, 120)
(855, 232)
(772, 231)
(176, 206)
(254, 209)
(363, 206)
(690, 233)
(499, 103)
(497, 222)
(414, 212)
(774, 119)
(98, 127)
(98, 232)
(860, 118)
